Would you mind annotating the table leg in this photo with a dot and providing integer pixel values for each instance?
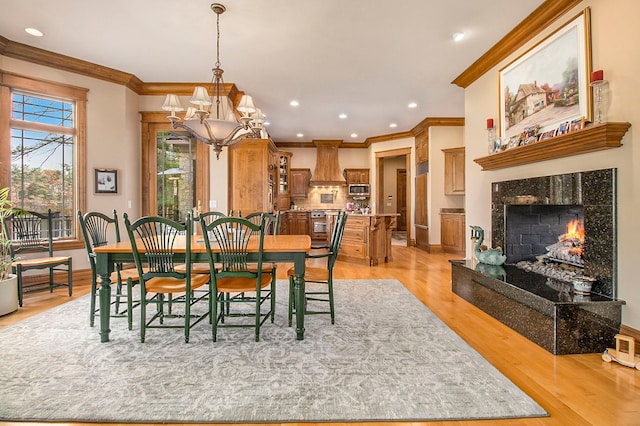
(105, 299)
(298, 291)
(104, 267)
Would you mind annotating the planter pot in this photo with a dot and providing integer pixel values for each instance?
(9, 295)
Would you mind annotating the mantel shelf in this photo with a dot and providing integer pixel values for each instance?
(593, 138)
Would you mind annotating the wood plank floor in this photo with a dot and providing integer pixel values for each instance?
(574, 389)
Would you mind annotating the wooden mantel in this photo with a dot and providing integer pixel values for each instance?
(593, 138)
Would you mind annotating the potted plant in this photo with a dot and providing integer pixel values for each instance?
(8, 281)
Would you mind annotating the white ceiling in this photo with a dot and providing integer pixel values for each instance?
(365, 58)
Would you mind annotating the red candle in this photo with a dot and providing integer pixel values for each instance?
(597, 75)
(489, 123)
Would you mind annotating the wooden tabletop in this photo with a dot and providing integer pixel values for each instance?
(272, 243)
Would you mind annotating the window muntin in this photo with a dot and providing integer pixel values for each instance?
(42, 157)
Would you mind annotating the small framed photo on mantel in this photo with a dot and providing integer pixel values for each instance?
(106, 181)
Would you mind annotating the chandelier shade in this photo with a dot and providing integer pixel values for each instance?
(211, 119)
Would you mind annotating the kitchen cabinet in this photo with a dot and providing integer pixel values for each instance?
(355, 176)
(366, 238)
(452, 232)
(283, 180)
(454, 171)
(300, 182)
(251, 167)
(296, 222)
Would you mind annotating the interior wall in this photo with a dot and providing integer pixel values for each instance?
(613, 26)
(440, 137)
(113, 140)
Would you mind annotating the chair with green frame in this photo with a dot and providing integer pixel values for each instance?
(154, 242)
(319, 275)
(97, 229)
(32, 232)
(201, 268)
(271, 227)
(237, 281)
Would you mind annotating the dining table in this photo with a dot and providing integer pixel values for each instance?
(276, 249)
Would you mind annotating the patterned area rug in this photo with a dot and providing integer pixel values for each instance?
(387, 358)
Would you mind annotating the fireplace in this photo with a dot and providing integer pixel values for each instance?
(529, 215)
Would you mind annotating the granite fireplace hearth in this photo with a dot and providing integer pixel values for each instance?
(527, 216)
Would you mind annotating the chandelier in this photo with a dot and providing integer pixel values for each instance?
(211, 119)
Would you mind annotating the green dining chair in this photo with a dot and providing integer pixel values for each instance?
(238, 289)
(201, 268)
(98, 230)
(154, 241)
(32, 232)
(319, 275)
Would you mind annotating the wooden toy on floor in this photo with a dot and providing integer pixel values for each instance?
(626, 357)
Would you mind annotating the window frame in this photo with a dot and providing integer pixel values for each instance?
(10, 82)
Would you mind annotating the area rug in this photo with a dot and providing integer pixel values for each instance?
(387, 358)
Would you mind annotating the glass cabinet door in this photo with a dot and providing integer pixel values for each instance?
(284, 174)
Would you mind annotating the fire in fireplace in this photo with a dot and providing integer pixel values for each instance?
(570, 246)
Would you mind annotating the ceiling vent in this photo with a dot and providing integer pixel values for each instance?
(328, 171)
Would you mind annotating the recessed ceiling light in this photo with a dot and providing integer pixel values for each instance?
(412, 105)
(457, 36)
(34, 32)
(342, 116)
(393, 125)
(354, 135)
(300, 135)
(294, 103)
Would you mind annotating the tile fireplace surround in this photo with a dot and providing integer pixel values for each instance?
(536, 306)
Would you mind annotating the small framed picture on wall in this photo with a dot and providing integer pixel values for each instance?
(106, 181)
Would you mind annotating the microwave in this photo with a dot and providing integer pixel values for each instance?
(359, 190)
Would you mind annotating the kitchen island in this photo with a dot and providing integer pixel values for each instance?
(366, 238)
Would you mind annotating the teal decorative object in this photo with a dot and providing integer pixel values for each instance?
(488, 256)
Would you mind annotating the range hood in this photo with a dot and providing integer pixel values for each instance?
(328, 171)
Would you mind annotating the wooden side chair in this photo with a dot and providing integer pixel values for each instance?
(97, 230)
(154, 241)
(32, 232)
(319, 275)
(236, 281)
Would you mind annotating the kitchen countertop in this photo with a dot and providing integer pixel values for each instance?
(451, 211)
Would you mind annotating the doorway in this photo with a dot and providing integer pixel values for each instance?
(394, 191)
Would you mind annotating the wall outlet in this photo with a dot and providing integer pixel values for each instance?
(129, 203)
(213, 204)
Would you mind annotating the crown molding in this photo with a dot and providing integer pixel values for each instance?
(49, 59)
(547, 13)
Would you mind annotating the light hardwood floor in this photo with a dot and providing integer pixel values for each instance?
(574, 389)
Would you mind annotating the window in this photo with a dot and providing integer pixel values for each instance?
(43, 146)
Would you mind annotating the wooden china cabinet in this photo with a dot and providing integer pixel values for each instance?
(252, 166)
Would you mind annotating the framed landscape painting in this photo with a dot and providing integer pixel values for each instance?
(549, 84)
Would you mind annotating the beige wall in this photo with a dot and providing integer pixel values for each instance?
(390, 190)
(440, 137)
(113, 139)
(614, 30)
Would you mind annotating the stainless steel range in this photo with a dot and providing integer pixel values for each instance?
(319, 223)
